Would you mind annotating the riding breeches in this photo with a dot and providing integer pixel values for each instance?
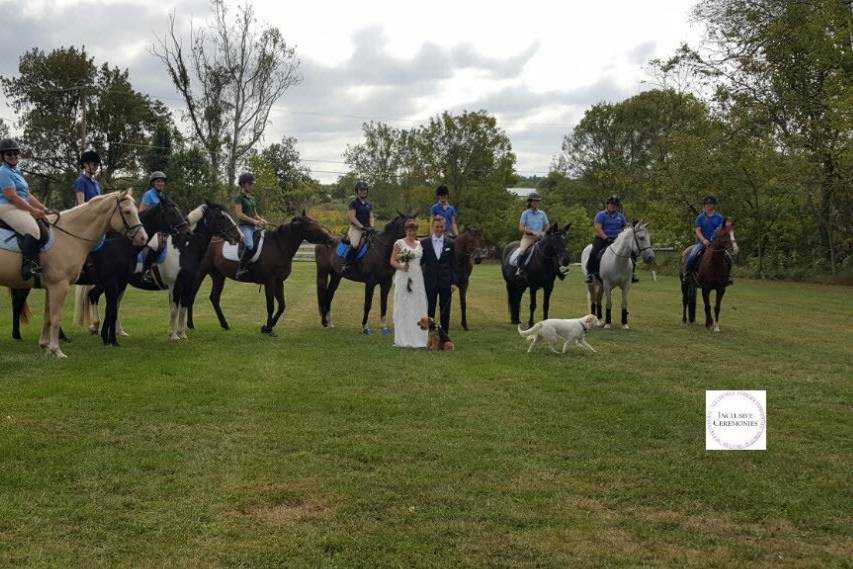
(526, 242)
(691, 258)
(592, 264)
(354, 236)
(19, 220)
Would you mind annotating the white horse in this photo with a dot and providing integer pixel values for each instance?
(617, 265)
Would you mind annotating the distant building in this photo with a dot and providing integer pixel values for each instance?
(521, 192)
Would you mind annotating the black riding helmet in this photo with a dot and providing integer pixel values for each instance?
(90, 156)
(709, 200)
(245, 178)
(361, 185)
(613, 199)
(442, 191)
(8, 145)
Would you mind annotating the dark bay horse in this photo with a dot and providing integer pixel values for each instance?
(546, 260)
(469, 252)
(374, 269)
(109, 267)
(713, 273)
(271, 269)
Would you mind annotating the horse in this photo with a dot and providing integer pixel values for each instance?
(371, 270)
(713, 273)
(75, 232)
(179, 270)
(107, 268)
(271, 269)
(469, 252)
(545, 260)
(616, 268)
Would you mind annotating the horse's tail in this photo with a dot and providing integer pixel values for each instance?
(532, 331)
(25, 309)
(82, 306)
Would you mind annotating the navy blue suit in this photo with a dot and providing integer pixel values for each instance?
(439, 277)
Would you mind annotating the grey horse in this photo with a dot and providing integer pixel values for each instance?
(617, 264)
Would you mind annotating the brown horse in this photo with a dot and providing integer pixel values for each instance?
(469, 252)
(271, 269)
(371, 270)
(713, 273)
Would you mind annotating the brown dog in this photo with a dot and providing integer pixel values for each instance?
(438, 340)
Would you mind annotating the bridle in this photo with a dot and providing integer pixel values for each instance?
(130, 231)
(633, 256)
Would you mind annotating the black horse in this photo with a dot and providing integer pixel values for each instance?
(109, 267)
(546, 259)
(375, 268)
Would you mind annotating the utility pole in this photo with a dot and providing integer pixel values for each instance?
(82, 133)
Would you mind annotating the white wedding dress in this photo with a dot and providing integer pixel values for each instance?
(410, 306)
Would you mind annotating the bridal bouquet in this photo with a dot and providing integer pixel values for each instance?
(406, 257)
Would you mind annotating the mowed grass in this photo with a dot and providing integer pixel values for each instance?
(327, 449)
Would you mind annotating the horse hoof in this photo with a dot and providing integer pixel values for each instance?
(716, 328)
(625, 327)
(16, 336)
(367, 332)
(123, 334)
(385, 331)
(174, 337)
(93, 330)
(607, 326)
(269, 332)
(465, 327)
(182, 336)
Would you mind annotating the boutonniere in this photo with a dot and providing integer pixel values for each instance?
(447, 248)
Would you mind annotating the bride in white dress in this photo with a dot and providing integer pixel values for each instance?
(410, 302)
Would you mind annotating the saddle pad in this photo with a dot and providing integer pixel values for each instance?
(363, 251)
(99, 244)
(232, 252)
(513, 258)
(341, 250)
(140, 257)
(9, 241)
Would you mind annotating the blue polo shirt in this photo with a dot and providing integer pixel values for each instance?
(362, 211)
(151, 197)
(709, 225)
(12, 178)
(447, 213)
(88, 186)
(533, 220)
(611, 223)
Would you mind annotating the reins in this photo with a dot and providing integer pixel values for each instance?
(130, 230)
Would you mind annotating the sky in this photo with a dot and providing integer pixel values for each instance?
(537, 66)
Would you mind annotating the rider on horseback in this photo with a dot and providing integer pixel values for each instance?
(248, 220)
(608, 224)
(153, 196)
(706, 226)
(361, 219)
(533, 225)
(19, 209)
(86, 187)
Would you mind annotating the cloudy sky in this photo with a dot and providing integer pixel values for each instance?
(536, 65)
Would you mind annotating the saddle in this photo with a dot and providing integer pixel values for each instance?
(44, 231)
(10, 240)
(513, 257)
(343, 249)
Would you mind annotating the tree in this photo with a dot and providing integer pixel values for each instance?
(229, 80)
(283, 184)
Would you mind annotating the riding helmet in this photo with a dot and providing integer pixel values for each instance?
(245, 178)
(360, 185)
(90, 156)
(710, 200)
(614, 199)
(9, 144)
(534, 197)
(158, 175)
(442, 191)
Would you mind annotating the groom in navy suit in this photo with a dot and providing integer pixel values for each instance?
(439, 264)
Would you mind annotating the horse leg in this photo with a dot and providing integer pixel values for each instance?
(94, 317)
(608, 314)
(463, 305)
(19, 299)
(685, 294)
(719, 302)
(44, 339)
(532, 306)
(384, 289)
(514, 302)
(218, 283)
(368, 302)
(269, 293)
(119, 328)
(112, 293)
(279, 299)
(546, 301)
(706, 298)
(625, 290)
(173, 314)
(57, 305)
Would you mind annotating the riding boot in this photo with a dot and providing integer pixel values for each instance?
(30, 257)
(243, 269)
(350, 260)
(148, 258)
(521, 262)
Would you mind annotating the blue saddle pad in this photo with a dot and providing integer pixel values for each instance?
(363, 251)
(9, 241)
(140, 258)
(341, 250)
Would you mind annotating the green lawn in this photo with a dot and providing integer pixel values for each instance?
(327, 449)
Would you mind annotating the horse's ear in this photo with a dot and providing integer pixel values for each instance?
(400, 213)
(303, 213)
(128, 193)
(635, 222)
(567, 227)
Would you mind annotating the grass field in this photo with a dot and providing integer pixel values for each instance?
(327, 449)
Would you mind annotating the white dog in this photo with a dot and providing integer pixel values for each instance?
(554, 329)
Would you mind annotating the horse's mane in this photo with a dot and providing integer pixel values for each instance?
(196, 215)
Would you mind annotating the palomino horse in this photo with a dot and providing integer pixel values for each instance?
(76, 231)
(713, 273)
(469, 252)
(617, 265)
(545, 261)
(179, 270)
(371, 270)
(107, 268)
(271, 269)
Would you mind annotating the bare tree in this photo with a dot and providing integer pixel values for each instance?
(229, 80)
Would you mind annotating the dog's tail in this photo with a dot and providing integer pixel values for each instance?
(532, 331)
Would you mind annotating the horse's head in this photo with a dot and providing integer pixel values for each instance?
(725, 237)
(642, 243)
(167, 217)
(554, 243)
(125, 218)
(471, 243)
(396, 228)
(309, 229)
(216, 221)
